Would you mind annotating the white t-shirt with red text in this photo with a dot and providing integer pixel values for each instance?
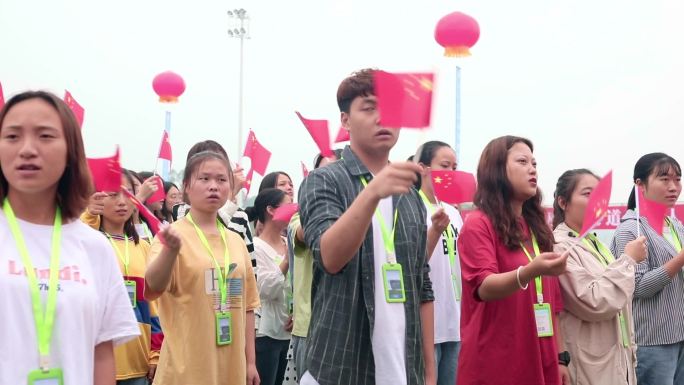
(92, 303)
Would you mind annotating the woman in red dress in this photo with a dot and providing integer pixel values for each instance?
(511, 296)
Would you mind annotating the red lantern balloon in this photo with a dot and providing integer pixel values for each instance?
(169, 86)
(457, 33)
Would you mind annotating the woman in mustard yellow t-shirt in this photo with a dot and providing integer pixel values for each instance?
(202, 274)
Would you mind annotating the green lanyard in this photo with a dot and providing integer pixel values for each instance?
(538, 279)
(449, 232)
(387, 236)
(126, 258)
(44, 321)
(676, 242)
(223, 274)
(605, 257)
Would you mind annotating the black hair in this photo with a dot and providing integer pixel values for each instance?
(425, 155)
(166, 213)
(271, 180)
(566, 185)
(319, 157)
(656, 163)
(267, 197)
(129, 225)
(195, 161)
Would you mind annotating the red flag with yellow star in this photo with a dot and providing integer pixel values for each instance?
(453, 187)
(597, 206)
(257, 153)
(404, 99)
(318, 129)
(76, 108)
(106, 172)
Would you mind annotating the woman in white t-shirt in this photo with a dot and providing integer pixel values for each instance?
(270, 250)
(50, 262)
(444, 223)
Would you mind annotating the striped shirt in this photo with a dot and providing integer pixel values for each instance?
(658, 303)
(339, 350)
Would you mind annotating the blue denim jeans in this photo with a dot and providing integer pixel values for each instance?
(660, 364)
(446, 362)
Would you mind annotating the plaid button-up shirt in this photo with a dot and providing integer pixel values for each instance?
(339, 349)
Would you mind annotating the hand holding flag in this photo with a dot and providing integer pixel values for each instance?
(159, 194)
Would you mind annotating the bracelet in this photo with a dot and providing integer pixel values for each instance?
(517, 276)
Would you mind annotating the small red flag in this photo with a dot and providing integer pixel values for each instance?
(2, 97)
(257, 153)
(453, 187)
(106, 172)
(404, 100)
(160, 194)
(342, 135)
(152, 220)
(76, 108)
(318, 129)
(597, 206)
(305, 171)
(285, 212)
(248, 180)
(654, 212)
(165, 147)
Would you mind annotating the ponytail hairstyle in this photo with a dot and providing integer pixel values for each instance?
(271, 180)
(565, 187)
(425, 155)
(268, 197)
(657, 164)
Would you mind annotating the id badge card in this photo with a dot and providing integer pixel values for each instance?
(393, 280)
(132, 290)
(542, 316)
(224, 328)
(46, 377)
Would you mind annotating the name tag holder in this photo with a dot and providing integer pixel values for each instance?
(46, 377)
(393, 280)
(131, 289)
(224, 328)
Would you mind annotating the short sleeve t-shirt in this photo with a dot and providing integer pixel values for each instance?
(447, 305)
(92, 303)
(500, 336)
(189, 353)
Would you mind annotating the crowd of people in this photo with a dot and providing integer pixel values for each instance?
(373, 281)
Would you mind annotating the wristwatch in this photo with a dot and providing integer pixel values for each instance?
(563, 358)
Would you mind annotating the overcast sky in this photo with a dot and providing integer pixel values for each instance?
(593, 83)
